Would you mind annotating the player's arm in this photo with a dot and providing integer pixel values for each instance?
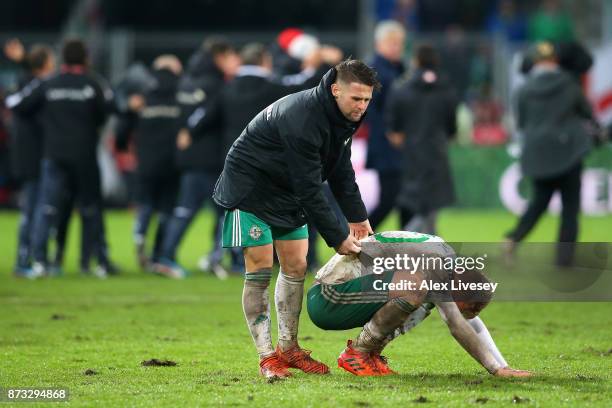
(302, 140)
(28, 99)
(469, 340)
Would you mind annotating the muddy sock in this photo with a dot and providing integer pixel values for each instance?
(288, 299)
(256, 306)
(374, 335)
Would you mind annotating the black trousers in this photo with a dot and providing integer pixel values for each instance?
(390, 183)
(157, 193)
(83, 180)
(568, 184)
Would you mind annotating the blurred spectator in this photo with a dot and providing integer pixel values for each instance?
(552, 114)
(199, 158)
(551, 23)
(154, 118)
(389, 38)
(27, 146)
(421, 118)
(509, 22)
(73, 105)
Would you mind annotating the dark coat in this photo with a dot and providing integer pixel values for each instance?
(201, 82)
(251, 91)
(552, 114)
(277, 167)
(72, 107)
(423, 109)
(155, 127)
(26, 141)
(381, 155)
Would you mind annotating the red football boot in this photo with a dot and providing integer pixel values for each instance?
(299, 358)
(356, 362)
(381, 364)
(272, 367)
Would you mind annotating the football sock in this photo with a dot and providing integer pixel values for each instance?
(382, 324)
(288, 299)
(484, 336)
(256, 306)
(414, 319)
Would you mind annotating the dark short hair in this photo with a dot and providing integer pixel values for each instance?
(38, 56)
(352, 70)
(217, 45)
(253, 54)
(74, 52)
(427, 56)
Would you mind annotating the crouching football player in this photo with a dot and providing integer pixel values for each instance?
(348, 294)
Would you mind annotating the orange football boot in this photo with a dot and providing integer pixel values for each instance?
(272, 367)
(299, 358)
(356, 362)
(381, 364)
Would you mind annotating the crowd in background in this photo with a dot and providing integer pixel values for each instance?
(173, 125)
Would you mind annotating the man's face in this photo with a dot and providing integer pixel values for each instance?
(392, 46)
(352, 98)
(228, 62)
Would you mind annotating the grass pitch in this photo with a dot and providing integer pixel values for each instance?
(90, 337)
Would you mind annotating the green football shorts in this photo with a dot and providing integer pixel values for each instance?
(346, 305)
(243, 229)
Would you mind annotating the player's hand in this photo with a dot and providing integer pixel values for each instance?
(183, 140)
(360, 230)
(511, 372)
(331, 55)
(349, 246)
(13, 49)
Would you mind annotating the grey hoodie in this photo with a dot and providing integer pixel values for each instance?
(552, 113)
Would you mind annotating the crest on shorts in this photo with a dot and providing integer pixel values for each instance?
(255, 232)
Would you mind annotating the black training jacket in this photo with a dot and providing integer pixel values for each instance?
(26, 141)
(276, 168)
(155, 127)
(72, 106)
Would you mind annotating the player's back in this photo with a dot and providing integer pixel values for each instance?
(384, 245)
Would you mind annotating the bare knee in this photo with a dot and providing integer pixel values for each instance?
(256, 258)
(295, 267)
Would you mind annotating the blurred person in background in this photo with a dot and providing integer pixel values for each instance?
(421, 119)
(73, 105)
(253, 89)
(509, 22)
(27, 146)
(199, 158)
(550, 23)
(389, 42)
(154, 121)
(553, 116)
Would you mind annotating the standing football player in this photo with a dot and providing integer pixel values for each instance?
(272, 184)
